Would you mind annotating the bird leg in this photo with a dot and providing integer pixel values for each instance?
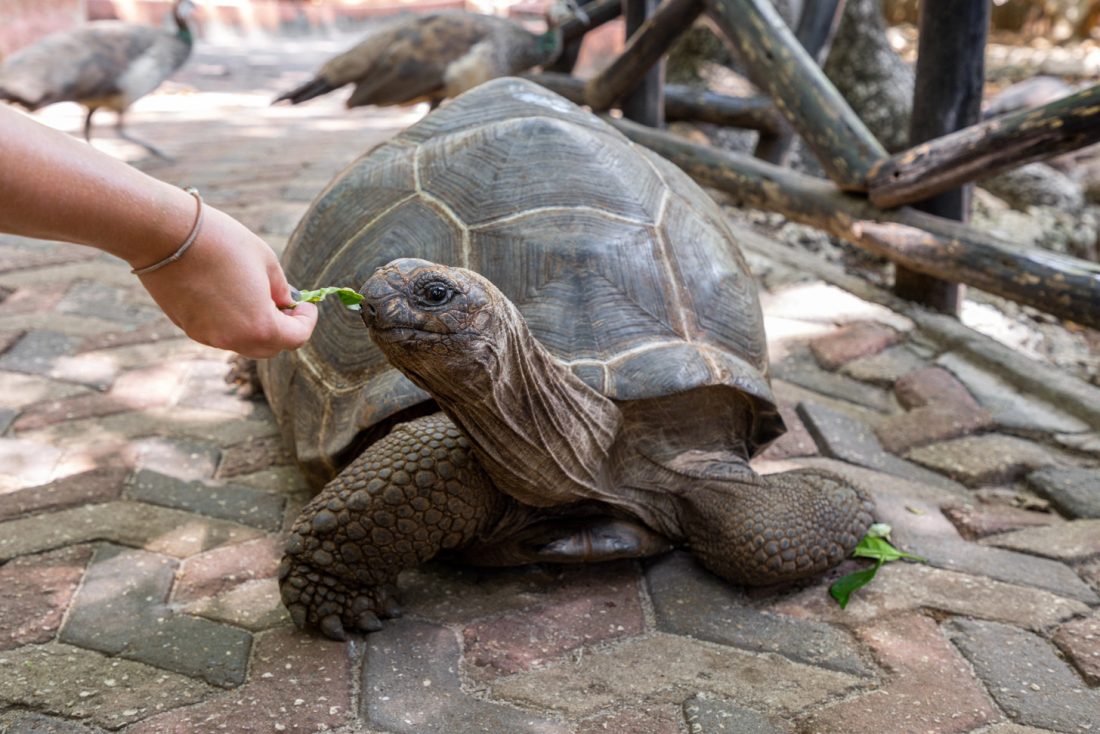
(88, 124)
(121, 131)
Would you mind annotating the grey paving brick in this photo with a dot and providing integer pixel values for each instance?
(84, 685)
(1026, 677)
(690, 601)
(1009, 406)
(884, 369)
(663, 668)
(158, 529)
(121, 610)
(987, 459)
(705, 715)
(411, 685)
(182, 458)
(25, 722)
(7, 415)
(1074, 491)
(1077, 540)
(235, 502)
(839, 436)
(37, 352)
(106, 302)
(801, 369)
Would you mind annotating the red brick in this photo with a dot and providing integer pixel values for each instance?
(978, 521)
(931, 385)
(30, 300)
(253, 455)
(222, 569)
(853, 341)
(1080, 641)
(931, 423)
(298, 683)
(37, 591)
(928, 686)
(797, 441)
(523, 640)
(90, 487)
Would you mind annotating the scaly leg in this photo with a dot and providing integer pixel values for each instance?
(414, 493)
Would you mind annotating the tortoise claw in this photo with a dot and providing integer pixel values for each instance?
(333, 628)
(368, 622)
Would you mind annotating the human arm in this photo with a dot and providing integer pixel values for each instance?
(228, 289)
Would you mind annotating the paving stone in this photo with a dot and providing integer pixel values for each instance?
(411, 685)
(1077, 540)
(663, 668)
(83, 685)
(25, 722)
(298, 683)
(901, 586)
(113, 304)
(207, 388)
(1086, 442)
(919, 528)
(157, 529)
(31, 462)
(253, 605)
(687, 600)
(532, 637)
(37, 352)
(820, 302)
(29, 300)
(180, 458)
(1074, 491)
(51, 253)
(120, 610)
(1010, 406)
(801, 369)
(7, 417)
(221, 569)
(18, 391)
(929, 386)
(1080, 641)
(705, 715)
(886, 367)
(860, 339)
(928, 687)
(978, 521)
(665, 719)
(987, 459)
(235, 502)
(97, 485)
(875, 483)
(841, 437)
(37, 591)
(929, 424)
(1026, 677)
(252, 456)
(154, 331)
(797, 441)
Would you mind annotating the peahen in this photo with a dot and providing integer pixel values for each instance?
(104, 64)
(430, 57)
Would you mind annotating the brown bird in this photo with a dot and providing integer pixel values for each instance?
(104, 64)
(430, 57)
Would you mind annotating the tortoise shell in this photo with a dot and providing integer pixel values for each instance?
(622, 266)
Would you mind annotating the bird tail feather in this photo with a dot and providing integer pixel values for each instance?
(313, 88)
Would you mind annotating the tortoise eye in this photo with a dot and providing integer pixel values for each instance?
(435, 294)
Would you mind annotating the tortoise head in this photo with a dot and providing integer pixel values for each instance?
(437, 323)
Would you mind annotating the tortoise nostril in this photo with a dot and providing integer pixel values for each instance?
(371, 311)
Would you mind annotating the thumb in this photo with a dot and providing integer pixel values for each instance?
(296, 325)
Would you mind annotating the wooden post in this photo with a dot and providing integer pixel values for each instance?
(817, 25)
(646, 104)
(683, 102)
(644, 49)
(987, 148)
(947, 96)
(574, 30)
(1064, 286)
(779, 65)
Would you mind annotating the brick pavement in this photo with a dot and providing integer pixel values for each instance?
(141, 504)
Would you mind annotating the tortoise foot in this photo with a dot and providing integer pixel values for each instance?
(320, 601)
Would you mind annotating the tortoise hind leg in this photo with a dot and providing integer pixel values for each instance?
(414, 493)
(763, 530)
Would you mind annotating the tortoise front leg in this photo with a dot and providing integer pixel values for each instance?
(414, 493)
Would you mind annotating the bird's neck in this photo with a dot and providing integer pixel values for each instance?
(183, 31)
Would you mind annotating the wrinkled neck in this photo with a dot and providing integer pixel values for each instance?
(537, 429)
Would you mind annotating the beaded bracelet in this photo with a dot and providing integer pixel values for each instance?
(186, 243)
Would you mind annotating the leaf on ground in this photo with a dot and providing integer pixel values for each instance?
(873, 545)
(348, 296)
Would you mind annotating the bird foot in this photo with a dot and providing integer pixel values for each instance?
(317, 600)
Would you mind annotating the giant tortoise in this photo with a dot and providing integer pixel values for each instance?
(568, 364)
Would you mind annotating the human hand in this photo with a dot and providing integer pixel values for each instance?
(229, 291)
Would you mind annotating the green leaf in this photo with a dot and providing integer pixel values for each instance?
(349, 297)
(843, 587)
(880, 549)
